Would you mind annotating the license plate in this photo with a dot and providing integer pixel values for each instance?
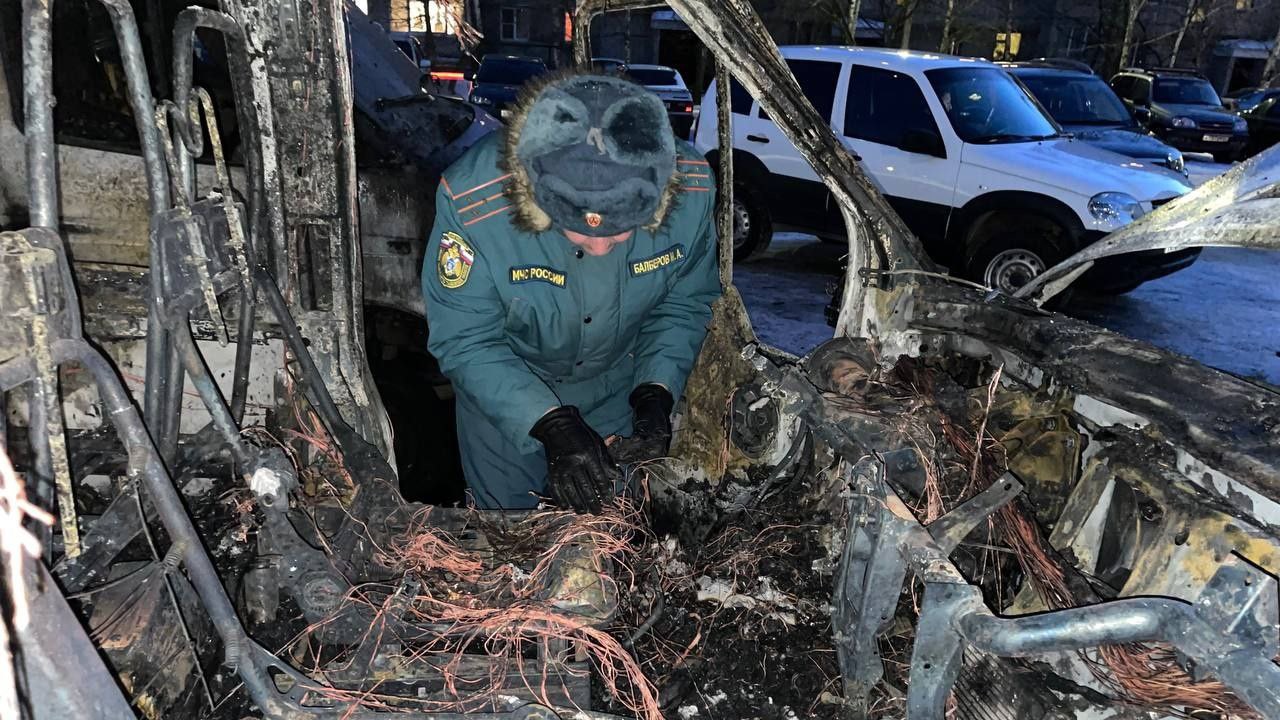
(1217, 138)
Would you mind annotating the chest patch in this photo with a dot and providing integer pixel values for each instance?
(454, 262)
(537, 273)
(670, 256)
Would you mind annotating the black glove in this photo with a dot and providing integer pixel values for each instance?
(580, 473)
(651, 425)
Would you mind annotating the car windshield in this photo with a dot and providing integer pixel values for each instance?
(508, 72)
(1077, 99)
(1185, 91)
(652, 76)
(985, 105)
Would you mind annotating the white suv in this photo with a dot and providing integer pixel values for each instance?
(970, 161)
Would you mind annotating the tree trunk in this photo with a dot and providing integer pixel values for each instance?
(1182, 31)
(908, 15)
(851, 21)
(947, 21)
(1126, 45)
(1269, 70)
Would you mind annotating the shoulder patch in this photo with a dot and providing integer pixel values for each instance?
(453, 263)
(670, 256)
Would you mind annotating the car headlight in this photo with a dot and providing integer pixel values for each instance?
(1115, 207)
(1175, 162)
(1241, 124)
(481, 100)
(1182, 122)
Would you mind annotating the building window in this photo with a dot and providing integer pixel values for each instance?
(418, 21)
(446, 16)
(515, 24)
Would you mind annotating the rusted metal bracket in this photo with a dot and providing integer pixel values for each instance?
(31, 316)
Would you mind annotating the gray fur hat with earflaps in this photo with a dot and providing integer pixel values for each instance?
(594, 154)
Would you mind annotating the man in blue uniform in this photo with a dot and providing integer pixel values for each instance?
(568, 281)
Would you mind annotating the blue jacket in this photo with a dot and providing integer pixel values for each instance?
(522, 322)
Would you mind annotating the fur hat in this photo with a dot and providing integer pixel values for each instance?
(594, 154)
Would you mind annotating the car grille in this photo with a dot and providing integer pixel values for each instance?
(1221, 125)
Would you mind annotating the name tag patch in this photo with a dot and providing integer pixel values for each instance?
(670, 256)
(537, 273)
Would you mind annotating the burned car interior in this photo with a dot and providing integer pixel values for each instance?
(962, 505)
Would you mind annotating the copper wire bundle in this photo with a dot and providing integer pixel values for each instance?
(1141, 674)
(486, 600)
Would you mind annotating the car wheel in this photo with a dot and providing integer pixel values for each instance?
(752, 226)
(1005, 252)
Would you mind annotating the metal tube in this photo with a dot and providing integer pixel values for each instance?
(124, 416)
(140, 102)
(37, 96)
(241, 71)
(315, 387)
(205, 386)
(724, 206)
(244, 355)
(1128, 620)
(167, 425)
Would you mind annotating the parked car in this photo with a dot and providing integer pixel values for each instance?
(1247, 98)
(415, 47)
(1086, 107)
(608, 65)
(969, 160)
(1182, 108)
(499, 78)
(1264, 124)
(668, 85)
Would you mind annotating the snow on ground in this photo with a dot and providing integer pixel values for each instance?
(786, 288)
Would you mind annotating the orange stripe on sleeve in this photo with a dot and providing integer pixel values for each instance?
(481, 186)
(475, 220)
(478, 203)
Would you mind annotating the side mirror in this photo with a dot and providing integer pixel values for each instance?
(923, 142)
(469, 76)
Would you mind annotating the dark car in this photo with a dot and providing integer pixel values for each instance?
(1264, 124)
(499, 79)
(1085, 107)
(1244, 99)
(1182, 108)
